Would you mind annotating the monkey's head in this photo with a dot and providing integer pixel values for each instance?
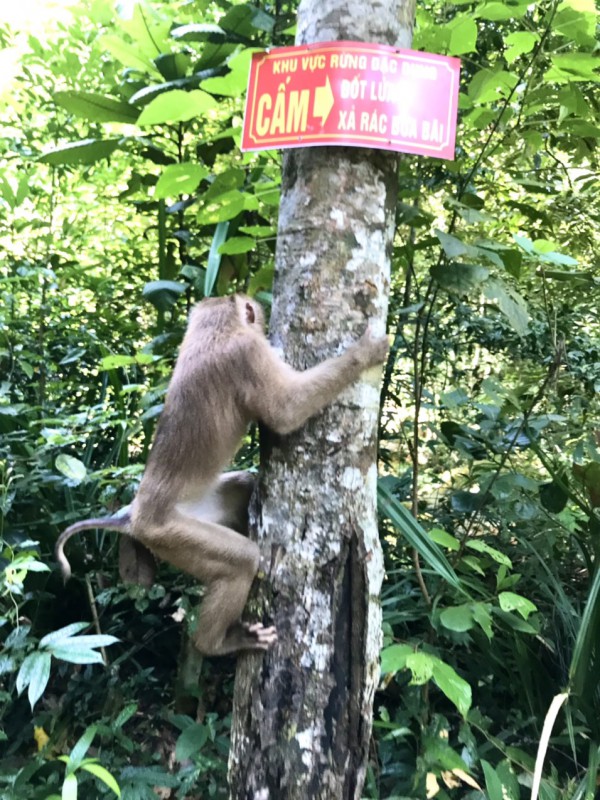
(223, 313)
(250, 312)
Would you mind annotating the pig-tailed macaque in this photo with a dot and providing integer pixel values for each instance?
(188, 513)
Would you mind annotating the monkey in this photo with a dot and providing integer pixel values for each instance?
(186, 511)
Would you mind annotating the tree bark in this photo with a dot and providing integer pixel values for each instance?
(302, 714)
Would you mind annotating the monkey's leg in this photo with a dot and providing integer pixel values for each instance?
(234, 490)
(227, 502)
(136, 563)
(226, 562)
(211, 639)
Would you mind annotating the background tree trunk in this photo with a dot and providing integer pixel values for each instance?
(302, 714)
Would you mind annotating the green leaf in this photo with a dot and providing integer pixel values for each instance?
(225, 208)
(30, 564)
(7, 664)
(484, 547)
(7, 192)
(237, 244)
(421, 667)
(463, 35)
(176, 106)
(89, 640)
(579, 278)
(142, 781)
(459, 278)
(510, 303)
(34, 673)
(482, 616)
(74, 655)
(472, 563)
(215, 54)
(11, 411)
(444, 539)
(177, 179)
(576, 20)
(224, 182)
(519, 43)
(262, 280)
(570, 67)
(572, 101)
(125, 715)
(512, 260)
(163, 294)
(508, 779)
(96, 107)
(258, 231)
(199, 32)
(457, 618)
(546, 251)
(524, 243)
(235, 82)
(509, 601)
(214, 258)
(81, 746)
(69, 788)
(493, 784)
(86, 151)
(191, 741)
(515, 623)
(129, 55)
(417, 537)
(456, 689)
(79, 649)
(243, 20)
(584, 662)
(72, 468)
(116, 362)
(231, 85)
(173, 66)
(452, 246)
(393, 658)
(63, 634)
(559, 259)
(149, 32)
(143, 96)
(491, 85)
(501, 11)
(104, 775)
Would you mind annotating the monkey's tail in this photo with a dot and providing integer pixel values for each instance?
(121, 523)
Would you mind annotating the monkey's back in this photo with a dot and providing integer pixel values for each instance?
(203, 420)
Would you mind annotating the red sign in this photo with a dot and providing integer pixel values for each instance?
(352, 93)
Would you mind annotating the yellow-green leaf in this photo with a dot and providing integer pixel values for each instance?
(176, 106)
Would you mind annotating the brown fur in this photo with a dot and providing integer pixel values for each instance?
(185, 511)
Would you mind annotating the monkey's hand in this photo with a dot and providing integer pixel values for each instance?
(371, 350)
(259, 637)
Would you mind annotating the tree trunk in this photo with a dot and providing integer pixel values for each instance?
(302, 714)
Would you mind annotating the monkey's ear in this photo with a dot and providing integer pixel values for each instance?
(250, 315)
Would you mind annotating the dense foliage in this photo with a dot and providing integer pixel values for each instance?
(124, 199)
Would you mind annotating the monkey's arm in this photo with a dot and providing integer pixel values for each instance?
(284, 398)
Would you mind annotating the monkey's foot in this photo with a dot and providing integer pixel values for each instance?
(259, 637)
(240, 636)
